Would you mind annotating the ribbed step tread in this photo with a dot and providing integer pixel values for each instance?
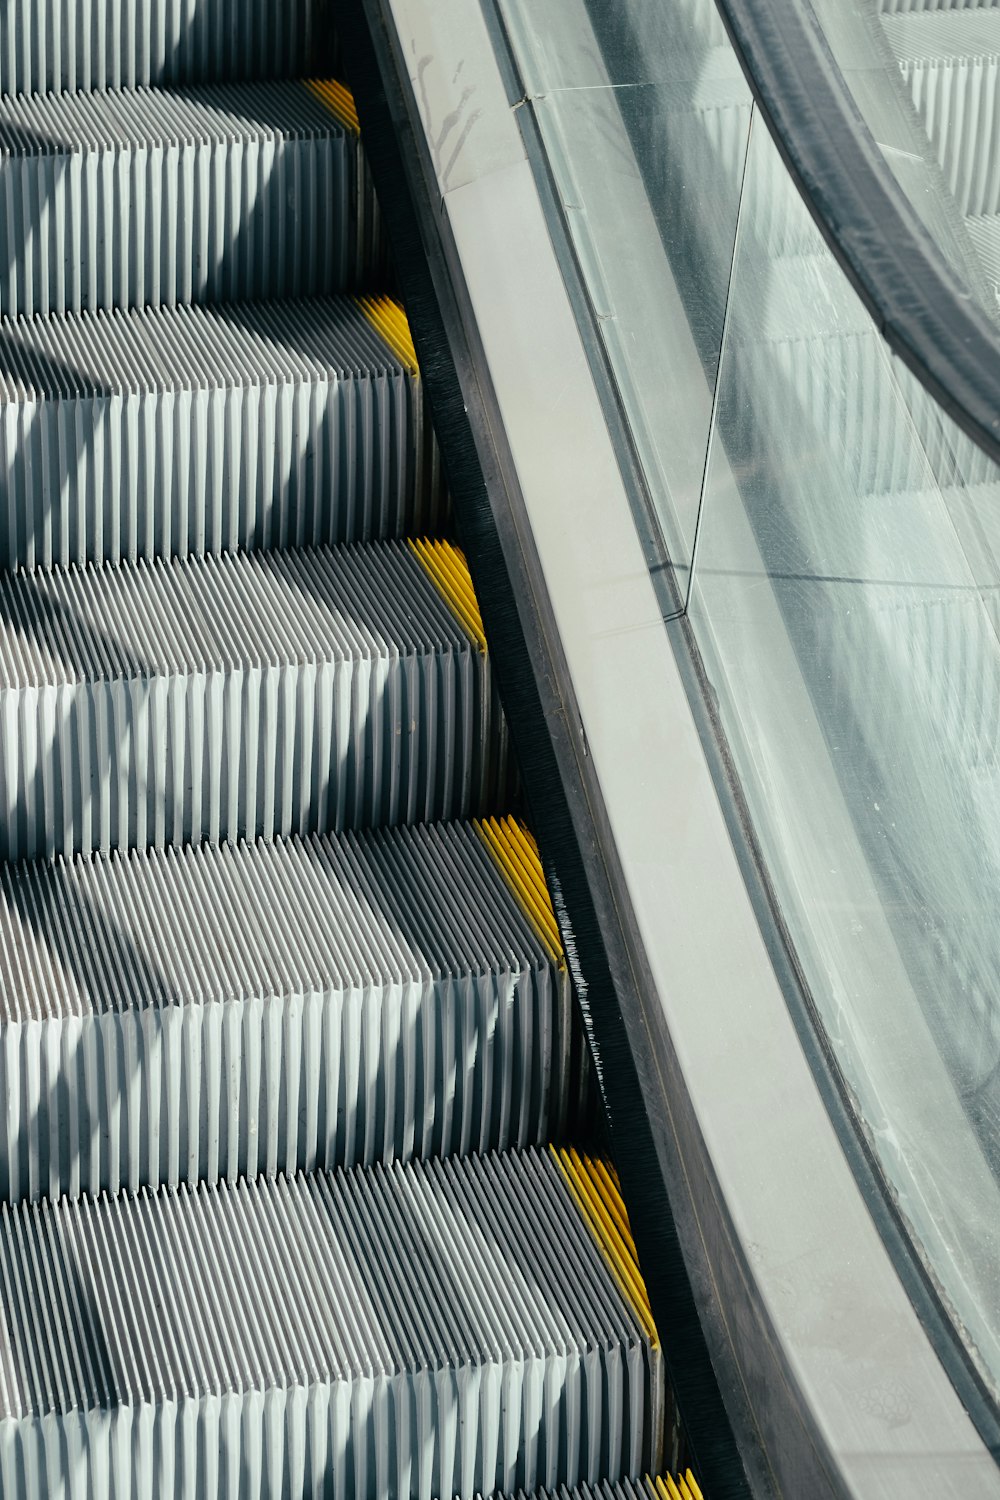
(269, 1007)
(957, 97)
(944, 34)
(217, 193)
(663, 1487)
(50, 45)
(907, 6)
(435, 1329)
(158, 433)
(280, 692)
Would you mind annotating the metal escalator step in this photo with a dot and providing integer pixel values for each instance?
(864, 410)
(217, 193)
(220, 698)
(891, 7)
(48, 45)
(666, 1487)
(951, 62)
(235, 1010)
(164, 432)
(436, 1329)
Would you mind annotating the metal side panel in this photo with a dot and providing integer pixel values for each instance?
(832, 1382)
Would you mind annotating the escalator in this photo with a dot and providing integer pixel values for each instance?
(293, 1080)
(499, 697)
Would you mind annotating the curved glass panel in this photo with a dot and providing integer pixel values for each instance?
(640, 108)
(847, 602)
(840, 549)
(924, 78)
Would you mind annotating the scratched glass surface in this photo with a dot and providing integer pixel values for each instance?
(837, 541)
(635, 103)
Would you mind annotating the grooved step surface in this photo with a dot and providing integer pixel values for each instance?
(892, 6)
(419, 1331)
(213, 193)
(158, 433)
(96, 44)
(268, 1007)
(684, 1487)
(275, 693)
(951, 62)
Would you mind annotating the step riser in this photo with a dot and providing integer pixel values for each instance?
(175, 473)
(242, 1010)
(445, 1330)
(96, 44)
(156, 225)
(322, 1078)
(236, 754)
(959, 103)
(345, 1442)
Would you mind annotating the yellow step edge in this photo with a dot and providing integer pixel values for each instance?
(612, 1196)
(389, 322)
(338, 100)
(525, 851)
(591, 1195)
(447, 569)
(620, 1241)
(449, 572)
(511, 847)
(685, 1487)
(519, 854)
(517, 857)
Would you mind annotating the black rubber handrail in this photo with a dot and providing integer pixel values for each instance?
(926, 314)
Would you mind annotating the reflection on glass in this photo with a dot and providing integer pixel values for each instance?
(926, 79)
(837, 538)
(640, 105)
(847, 600)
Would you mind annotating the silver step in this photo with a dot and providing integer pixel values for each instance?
(242, 696)
(436, 1329)
(951, 62)
(163, 432)
(150, 197)
(227, 1011)
(54, 45)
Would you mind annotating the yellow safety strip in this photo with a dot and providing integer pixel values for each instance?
(512, 846)
(449, 572)
(338, 100)
(602, 1206)
(389, 321)
(685, 1487)
(516, 852)
(603, 1191)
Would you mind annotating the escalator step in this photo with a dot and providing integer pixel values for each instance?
(159, 433)
(951, 62)
(433, 1329)
(95, 44)
(892, 7)
(666, 1487)
(227, 1011)
(151, 197)
(248, 695)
